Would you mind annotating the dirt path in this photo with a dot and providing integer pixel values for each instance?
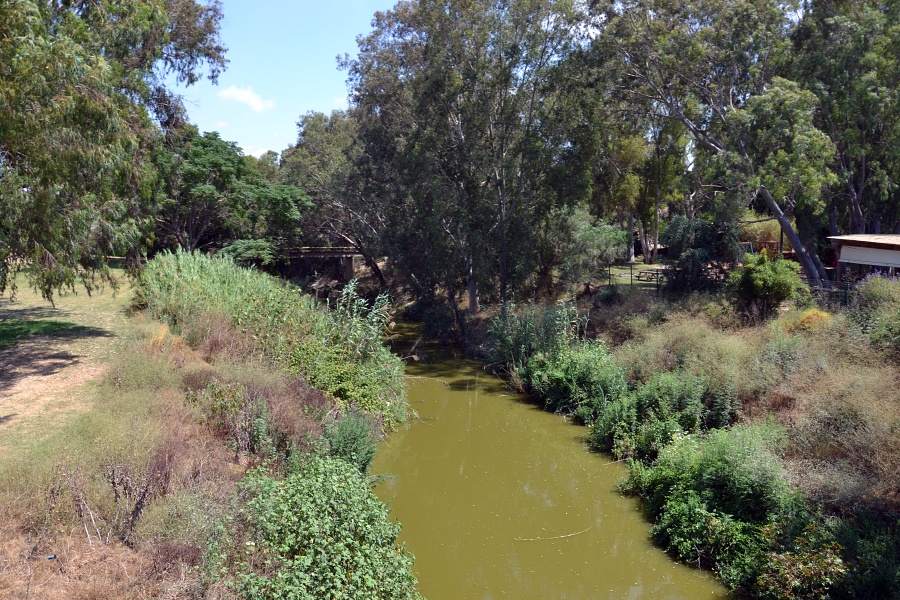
(50, 356)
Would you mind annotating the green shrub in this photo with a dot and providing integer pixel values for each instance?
(764, 282)
(678, 396)
(735, 471)
(321, 533)
(352, 438)
(876, 310)
(613, 430)
(580, 379)
(693, 534)
(806, 570)
(666, 406)
(871, 545)
(516, 337)
(339, 351)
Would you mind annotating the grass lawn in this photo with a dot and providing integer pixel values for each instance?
(51, 356)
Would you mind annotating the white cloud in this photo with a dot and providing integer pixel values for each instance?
(256, 151)
(247, 96)
(339, 102)
(220, 125)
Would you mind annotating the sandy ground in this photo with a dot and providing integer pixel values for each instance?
(46, 377)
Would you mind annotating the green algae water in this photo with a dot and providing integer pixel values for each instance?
(499, 499)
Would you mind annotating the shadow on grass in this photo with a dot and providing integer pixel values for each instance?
(13, 330)
(27, 347)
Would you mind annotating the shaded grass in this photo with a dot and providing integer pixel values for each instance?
(14, 330)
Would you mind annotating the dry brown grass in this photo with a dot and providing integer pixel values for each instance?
(838, 398)
(126, 493)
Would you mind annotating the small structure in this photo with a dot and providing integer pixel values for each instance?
(879, 252)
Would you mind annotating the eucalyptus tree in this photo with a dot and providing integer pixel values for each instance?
(459, 97)
(848, 54)
(713, 66)
(83, 109)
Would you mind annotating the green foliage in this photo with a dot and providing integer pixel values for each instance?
(876, 310)
(764, 282)
(352, 438)
(666, 406)
(871, 545)
(695, 245)
(694, 534)
(808, 570)
(83, 101)
(517, 336)
(580, 378)
(590, 248)
(337, 351)
(721, 500)
(735, 471)
(215, 196)
(358, 327)
(321, 533)
(250, 253)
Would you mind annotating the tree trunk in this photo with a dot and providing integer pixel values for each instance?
(655, 252)
(474, 303)
(645, 241)
(813, 275)
(630, 222)
(857, 219)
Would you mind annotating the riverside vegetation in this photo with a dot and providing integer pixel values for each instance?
(767, 452)
(225, 456)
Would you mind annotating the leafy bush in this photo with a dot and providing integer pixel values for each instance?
(694, 245)
(734, 471)
(666, 406)
(581, 379)
(591, 248)
(764, 282)
(871, 546)
(721, 500)
(516, 337)
(876, 310)
(352, 438)
(321, 533)
(806, 570)
(694, 534)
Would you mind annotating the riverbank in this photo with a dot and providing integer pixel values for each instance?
(739, 439)
(500, 499)
(203, 431)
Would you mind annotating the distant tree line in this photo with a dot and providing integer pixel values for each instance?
(487, 149)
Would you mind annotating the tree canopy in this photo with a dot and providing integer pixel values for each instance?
(83, 109)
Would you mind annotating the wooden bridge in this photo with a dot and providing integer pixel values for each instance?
(344, 254)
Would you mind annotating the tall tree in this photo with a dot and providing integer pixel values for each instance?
(702, 63)
(217, 197)
(848, 54)
(82, 100)
(459, 96)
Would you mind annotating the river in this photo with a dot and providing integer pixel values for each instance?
(499, 499)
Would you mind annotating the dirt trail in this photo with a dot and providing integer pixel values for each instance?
(50, 355)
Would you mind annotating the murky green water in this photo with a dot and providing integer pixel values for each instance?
(499, 499)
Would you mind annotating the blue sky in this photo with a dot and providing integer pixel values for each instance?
(282, 65)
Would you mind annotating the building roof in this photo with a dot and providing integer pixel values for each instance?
(884, 242)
